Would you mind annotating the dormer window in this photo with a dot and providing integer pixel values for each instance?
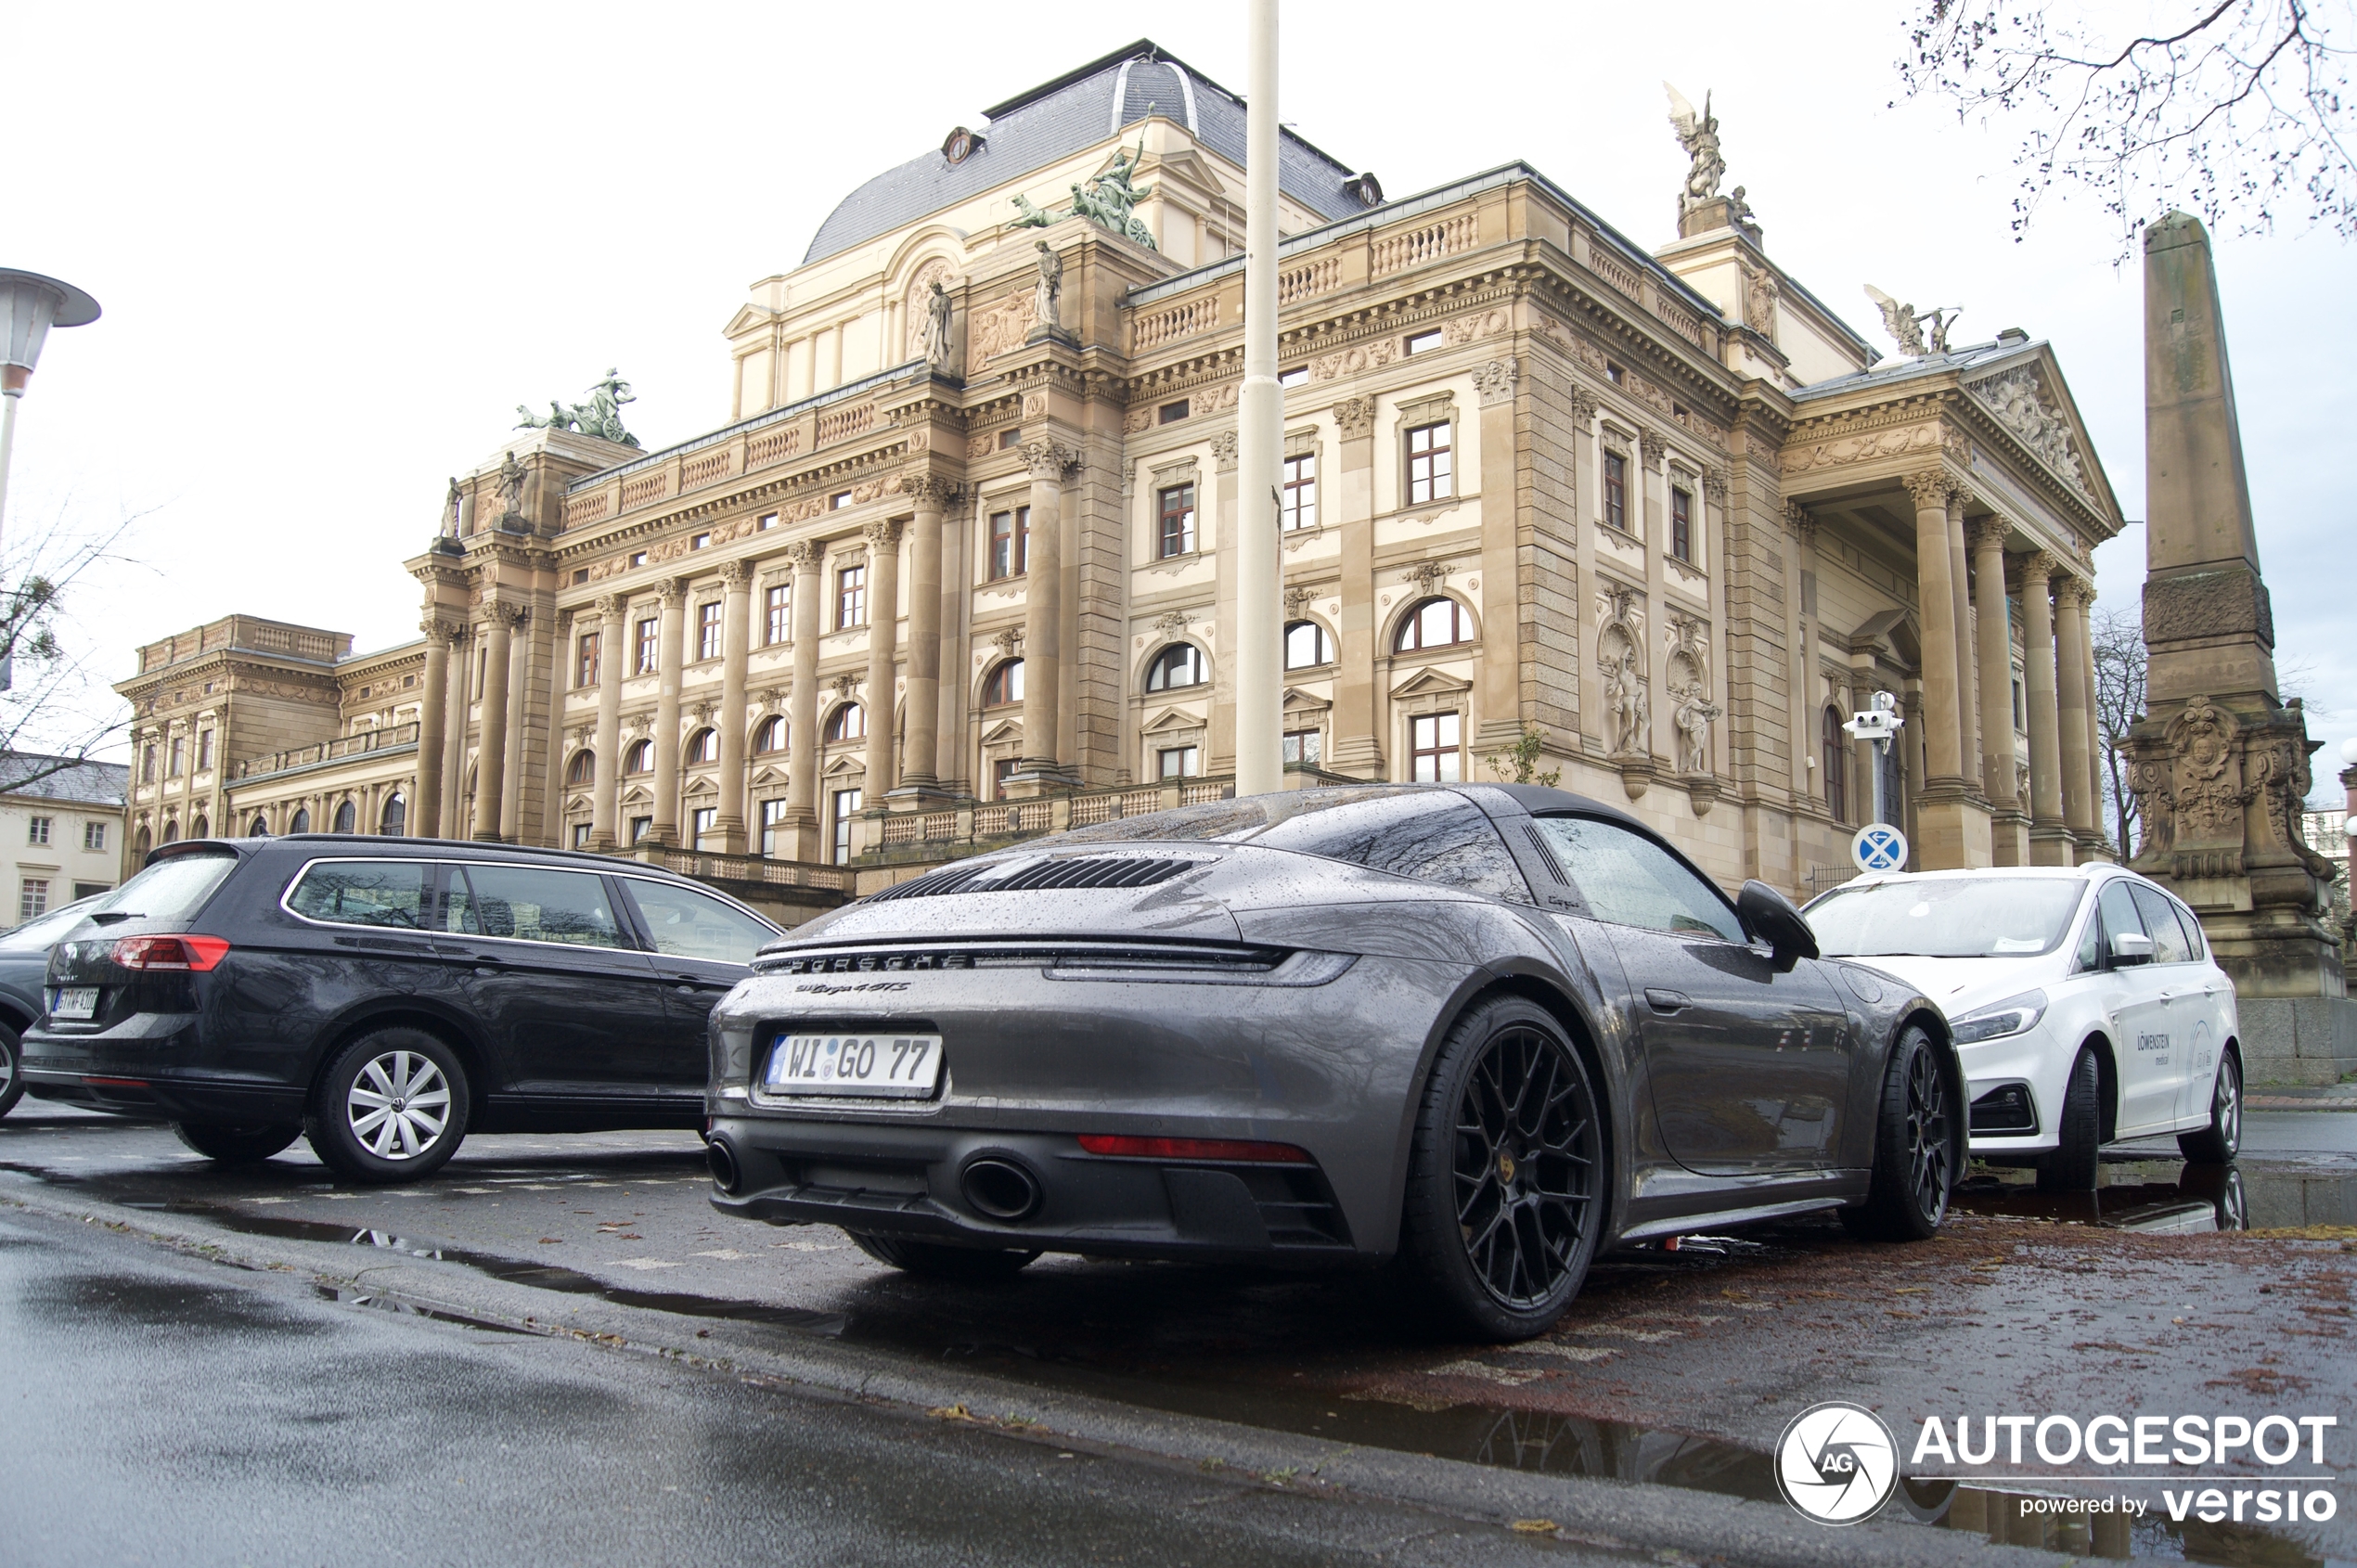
(959, 144)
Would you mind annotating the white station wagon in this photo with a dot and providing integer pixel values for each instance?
(2085, 1004)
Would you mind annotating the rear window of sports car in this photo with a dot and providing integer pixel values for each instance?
(1432, 835)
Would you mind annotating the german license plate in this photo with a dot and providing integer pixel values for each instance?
(75, 1001)
(869, 1066)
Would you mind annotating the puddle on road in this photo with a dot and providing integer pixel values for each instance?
(2164, 1196)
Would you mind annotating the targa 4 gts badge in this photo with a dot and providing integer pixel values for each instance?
(1836, 1462)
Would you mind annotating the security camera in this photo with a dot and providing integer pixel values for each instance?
(1880, 722)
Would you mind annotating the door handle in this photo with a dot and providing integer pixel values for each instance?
(1663, 1001)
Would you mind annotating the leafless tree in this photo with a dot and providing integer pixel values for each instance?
(2235, 108)
(57, 711)
(2118, 641)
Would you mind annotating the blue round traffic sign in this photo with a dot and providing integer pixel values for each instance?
(1879, 847)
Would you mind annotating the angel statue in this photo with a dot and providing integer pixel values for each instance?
(1905, 324)
(1698, 133)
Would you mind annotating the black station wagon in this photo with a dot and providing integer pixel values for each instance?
(385, 998)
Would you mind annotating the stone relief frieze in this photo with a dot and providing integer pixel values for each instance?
(1630, 381)
(1864, 447)
(996, 328)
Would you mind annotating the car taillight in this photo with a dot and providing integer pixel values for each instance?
(1193, 1149)
(198, 953)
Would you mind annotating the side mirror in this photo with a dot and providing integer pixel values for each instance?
(1769, 916)
(2130, 948)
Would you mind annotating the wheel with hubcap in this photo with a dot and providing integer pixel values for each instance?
(1505, 1174)
(966, 1265)
(2072, 1165)
(236, 1146)
(12, 1070)
(2218, 1143)
(391, 1107)
(1917, 1150)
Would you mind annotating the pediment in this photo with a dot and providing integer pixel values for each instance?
(1430, 683)
(748, 317)
(1299, 702)
(1004, 730)
(767, 776)
(637, 794)
(699, 787)
(1893, 628)
(844, 765)
(1175, 718)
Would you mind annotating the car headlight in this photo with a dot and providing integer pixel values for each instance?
(2000, 1019)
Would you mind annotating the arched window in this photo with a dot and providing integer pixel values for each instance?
(771, 736)
(639, 758)
(301, 822)
(347, 818)
(171, 832)
(1436, 623)
(1005, 685)
(1180, 664)
(261, 829)
(146, 842)
(704, 746)
(201, 827)
(583, 769)
(847, 722)
(1307, 646)
(394, 820)
(1836, 766)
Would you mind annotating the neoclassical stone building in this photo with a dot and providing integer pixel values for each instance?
(962, 566)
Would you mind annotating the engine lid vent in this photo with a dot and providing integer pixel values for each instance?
(1030, 872)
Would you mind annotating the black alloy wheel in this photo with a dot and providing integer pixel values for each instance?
(12, 1070)
(1504, 1185)
(1915, 1147)
(2216, 1144)
(391, 1107)
(964, 1265)
(2073, 1163)
(236, 1146)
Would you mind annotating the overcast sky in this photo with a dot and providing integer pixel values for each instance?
(336, 246)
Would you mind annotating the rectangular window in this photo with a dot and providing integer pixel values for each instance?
(638, 557)
(1010, 543)
(1299, 507)
(179, 764)
(1432, 741)
(1007, 438)
(839, 500)
(585, 668)
(851, 597)
(1616, 492)
(94, 835)
(1171, 413)
(32, 898)
(2018, 721)
(773, 830)
(36, 830)
(640, 829)
(1682, 525)
(1297, 375)
(1001, 771)
(699, 542)
(1177, 512)
(1180, 762)
(580, 575)
(1428, 477)
(204, 751)
(1615, 373)
(1423, 343)
(529, 904)
(365, 893)
(777, 611)
(647, 642)
(768, 521)
(708, 630)
(846, 809)
(148, 765)
(482, 668)
(1302, 747)
(700, 824)
(580, 835)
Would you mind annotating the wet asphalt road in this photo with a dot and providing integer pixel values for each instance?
(1672, 1367)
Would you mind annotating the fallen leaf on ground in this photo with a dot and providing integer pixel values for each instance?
(1535, 1526)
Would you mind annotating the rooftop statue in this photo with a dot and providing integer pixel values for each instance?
(1110, 201)
(1698, 133)
(600, 416)
(936, 326)
(1905, 324)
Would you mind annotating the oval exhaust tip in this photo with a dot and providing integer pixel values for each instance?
(723, 1160)
(1000, 1190)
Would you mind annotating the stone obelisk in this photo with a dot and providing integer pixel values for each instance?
(2220, 763)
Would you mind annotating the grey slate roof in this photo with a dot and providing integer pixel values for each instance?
(1051, 122)
(1960, 360)
(82, 783)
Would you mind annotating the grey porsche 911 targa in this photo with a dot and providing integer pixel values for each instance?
(1476, 1030)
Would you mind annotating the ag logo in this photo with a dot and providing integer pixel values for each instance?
(1836, 1462)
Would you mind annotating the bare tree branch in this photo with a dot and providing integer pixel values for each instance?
(2117, 639)
(58, 712)
(2240, 112)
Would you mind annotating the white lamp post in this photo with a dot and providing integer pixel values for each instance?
(30, 305)
(1260, 422)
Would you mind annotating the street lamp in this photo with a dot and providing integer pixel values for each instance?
(30, 305)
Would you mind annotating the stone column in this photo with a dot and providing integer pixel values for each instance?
(1945, 836)
(454, 735)
(883, 664)
(512, 783)
(1588, 501)
(1653, 484)
(951, 758)
(736, 581)
(2048, 838)
(920, 757)
(1357, 724)
(670, 653)
(2070, 668)
(2010, 825)
(2096, 771)
(1043, 618)
(802, 717)
(613, 612)
(1809, 781)
(433, 725)
(1967, 672)
(491, 751)
(1499, 699)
